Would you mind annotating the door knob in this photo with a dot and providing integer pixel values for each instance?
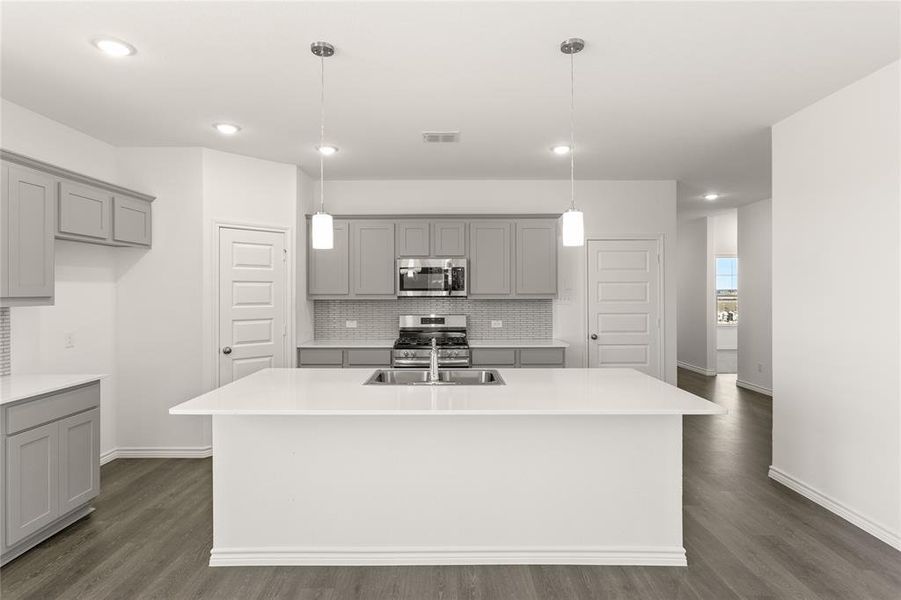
(594, 336)
(227, 350)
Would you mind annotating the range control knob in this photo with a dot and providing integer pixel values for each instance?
(452, 353)
(408, 354)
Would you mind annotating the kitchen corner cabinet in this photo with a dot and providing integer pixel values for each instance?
(51, 464)
(490, 259)
(536, 258)
(328, 270)
(373, 266)
(26, 226)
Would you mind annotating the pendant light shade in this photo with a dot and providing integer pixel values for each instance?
(573, 223)
(573, 228)
(323, 235)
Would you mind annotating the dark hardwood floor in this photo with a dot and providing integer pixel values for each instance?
(746, 537)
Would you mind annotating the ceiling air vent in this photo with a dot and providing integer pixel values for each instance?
(440, 137)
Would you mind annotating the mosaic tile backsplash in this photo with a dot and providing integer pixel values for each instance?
(377, 319)
(4, 341)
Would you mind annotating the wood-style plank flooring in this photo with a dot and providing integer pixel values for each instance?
(746, 537)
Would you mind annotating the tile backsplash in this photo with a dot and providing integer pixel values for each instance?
(377, 319)
(4, 341)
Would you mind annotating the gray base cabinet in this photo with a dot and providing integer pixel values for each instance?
(527, 358)
(50, 463)
(323, 358)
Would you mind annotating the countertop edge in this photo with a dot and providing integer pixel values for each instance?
(443, 413)
(42, 390)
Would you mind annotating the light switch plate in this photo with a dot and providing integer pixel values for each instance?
(350, 324)
(497, 324)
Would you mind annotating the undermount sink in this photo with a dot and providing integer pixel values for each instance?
(445, 377)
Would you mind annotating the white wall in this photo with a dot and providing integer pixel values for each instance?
(611, 208)
(755, 323)
(85, 274)
(693, 302)
(836, 230)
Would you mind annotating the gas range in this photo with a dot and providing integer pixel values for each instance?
(414, 344)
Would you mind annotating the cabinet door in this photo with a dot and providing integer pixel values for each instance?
(413, 238)
(327, 272)
(131, 221)
(490, 256)
(448, 238)
(32, 481)
(27, 213)
(79, 459)
(536, 257)
(373, 258)
(84, 211)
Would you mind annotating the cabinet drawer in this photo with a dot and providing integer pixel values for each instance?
(541, 357)
(493, 356)
(368, 357)
(31, 413)
(325, 357)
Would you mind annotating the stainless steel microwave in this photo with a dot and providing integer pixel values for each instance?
(431, 277)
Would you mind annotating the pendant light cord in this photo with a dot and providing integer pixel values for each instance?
(572, 132)
(321, 133)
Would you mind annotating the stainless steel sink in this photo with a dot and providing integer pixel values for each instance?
(445, 377)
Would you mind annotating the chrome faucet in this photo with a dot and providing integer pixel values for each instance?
(433, 362)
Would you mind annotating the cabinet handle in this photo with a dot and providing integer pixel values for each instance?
(594, 336)
(227, 350)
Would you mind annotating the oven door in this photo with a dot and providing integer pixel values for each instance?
(423, 278)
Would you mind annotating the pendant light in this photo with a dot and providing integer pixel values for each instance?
(322, 231)
(573, 223)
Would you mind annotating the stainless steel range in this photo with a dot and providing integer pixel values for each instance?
(414, 345)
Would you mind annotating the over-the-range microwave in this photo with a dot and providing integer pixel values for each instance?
(431, 277)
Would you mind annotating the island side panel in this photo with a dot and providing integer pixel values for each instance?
(357, 490)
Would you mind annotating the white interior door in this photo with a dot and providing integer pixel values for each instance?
(252, 302)
(624, 305)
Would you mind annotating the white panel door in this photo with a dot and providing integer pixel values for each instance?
(624, 305)
(252, 302)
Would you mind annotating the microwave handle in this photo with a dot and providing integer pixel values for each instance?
(448, 280)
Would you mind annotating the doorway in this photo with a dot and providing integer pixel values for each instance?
(252, 302)
(625, 305)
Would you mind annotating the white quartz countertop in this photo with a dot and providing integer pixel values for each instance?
(472, 344)
(340, 392)
(20, 387)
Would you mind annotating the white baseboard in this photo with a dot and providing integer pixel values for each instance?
(157, 452)
(398, 556)
(833, 505)
(754, 387)
(697, 369)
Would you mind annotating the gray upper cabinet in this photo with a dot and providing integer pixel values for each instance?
(491, 255)
(536, 257)
(131, 221)
(448, 238)
(413, 238)
(328, 270)
(84, 212)
(373, 258)
(27, 221)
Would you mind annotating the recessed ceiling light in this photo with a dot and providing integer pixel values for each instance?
(561, 150)
(114, 47)
(711, 197)
(227, 128)
(327, 150)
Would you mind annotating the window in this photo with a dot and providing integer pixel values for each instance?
(726, 290)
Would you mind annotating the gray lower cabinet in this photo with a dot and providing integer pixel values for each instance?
(448, 238)
(319, 358)
(490, 258)
(131, 221)
(531, 358)
(372, 243)
(51, 465)
(26, 228)
(328, 270)
(413, 239)
(536, 258)
(84, 212)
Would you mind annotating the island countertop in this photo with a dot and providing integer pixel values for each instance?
(340, 392)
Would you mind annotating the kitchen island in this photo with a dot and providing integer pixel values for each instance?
(557, 466)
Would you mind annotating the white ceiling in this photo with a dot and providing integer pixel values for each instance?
(669, 90)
